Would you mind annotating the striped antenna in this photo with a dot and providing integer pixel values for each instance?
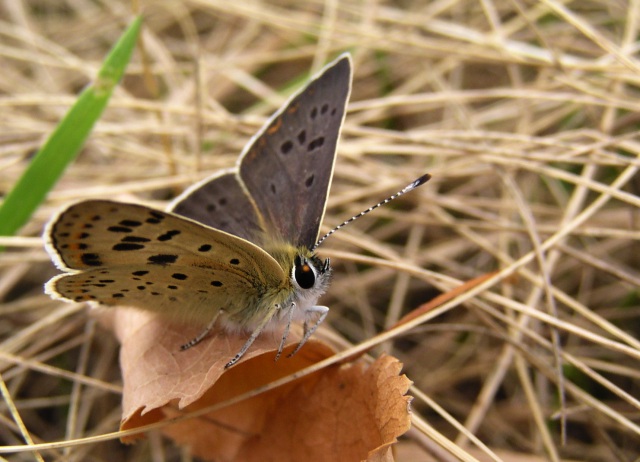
(420, 181)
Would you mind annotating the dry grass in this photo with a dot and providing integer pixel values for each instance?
(525, 113)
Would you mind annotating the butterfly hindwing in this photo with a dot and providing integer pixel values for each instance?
(288, 166)
(220, 202)
(186, 294)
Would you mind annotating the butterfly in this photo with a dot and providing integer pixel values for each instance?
(234, 249)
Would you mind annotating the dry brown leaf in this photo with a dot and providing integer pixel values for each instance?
(349, 412)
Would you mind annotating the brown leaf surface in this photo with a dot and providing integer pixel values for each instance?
(350, 412)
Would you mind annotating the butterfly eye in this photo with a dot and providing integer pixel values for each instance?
(304, 274)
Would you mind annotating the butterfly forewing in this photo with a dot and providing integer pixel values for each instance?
(221, 203)
(98, 234)
(288, 166)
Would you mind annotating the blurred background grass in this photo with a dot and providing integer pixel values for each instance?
(525, 113)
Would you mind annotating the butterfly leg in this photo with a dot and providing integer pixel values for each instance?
(249, 342)
(323, 311)
(285, 334)
(201, 335)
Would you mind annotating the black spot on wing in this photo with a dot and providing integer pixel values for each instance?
(309, 181)
(134, 239)
(162, 259)
(91, 259)
(286, 147)
(315, 144)
(130, 223)
(156, 218)
(127, 246)
(168, 235)
(119, 229)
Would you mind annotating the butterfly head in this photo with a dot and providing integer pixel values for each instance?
(309, 276)
(310, 272)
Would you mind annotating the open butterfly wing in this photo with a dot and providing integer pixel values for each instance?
(129, 254)
(187, 295)
(288, 166)
(98, 233)
(220, 202)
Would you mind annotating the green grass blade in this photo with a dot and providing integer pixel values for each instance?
(63, 144)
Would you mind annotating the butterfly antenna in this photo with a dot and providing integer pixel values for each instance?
(420, 181)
